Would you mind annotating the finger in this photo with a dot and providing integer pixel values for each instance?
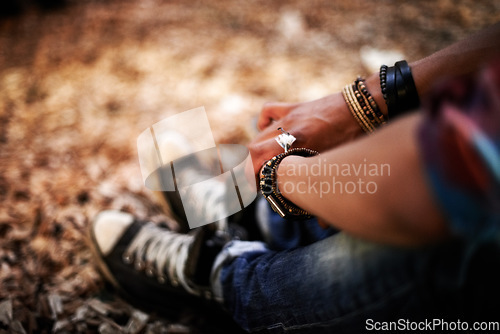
(262, 151)
(273, 112)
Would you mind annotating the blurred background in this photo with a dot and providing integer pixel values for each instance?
(80, 80)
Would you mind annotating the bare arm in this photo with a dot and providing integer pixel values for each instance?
(464, 57)
(374, 188)
(325, 123)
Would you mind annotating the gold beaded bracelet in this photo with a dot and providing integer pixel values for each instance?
(362, 106)
(356, 110)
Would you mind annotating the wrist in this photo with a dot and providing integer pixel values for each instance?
(346, 123)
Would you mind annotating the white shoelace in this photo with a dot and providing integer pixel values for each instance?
(160, 253)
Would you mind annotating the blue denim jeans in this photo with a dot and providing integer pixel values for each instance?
(308, 280)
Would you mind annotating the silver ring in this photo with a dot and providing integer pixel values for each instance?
(285, 139)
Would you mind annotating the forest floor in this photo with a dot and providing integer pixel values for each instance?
(78, 84)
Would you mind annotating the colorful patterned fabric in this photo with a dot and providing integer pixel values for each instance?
(460, 144)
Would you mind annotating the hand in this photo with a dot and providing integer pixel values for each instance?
(318, 125)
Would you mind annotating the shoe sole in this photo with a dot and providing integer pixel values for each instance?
(98, 257)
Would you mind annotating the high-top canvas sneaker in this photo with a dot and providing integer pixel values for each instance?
(154, 265)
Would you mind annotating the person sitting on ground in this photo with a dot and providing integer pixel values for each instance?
(418, 240)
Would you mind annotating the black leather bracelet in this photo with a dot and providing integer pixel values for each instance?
(410, 99)
(398, 87)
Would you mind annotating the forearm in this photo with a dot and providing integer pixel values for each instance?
(374, 187)
(327, 122)
(463, 57)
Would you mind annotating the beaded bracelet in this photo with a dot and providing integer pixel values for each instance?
(269, 187)
(362, 106)
(366, 114)
(379, 117)
(356, 109)
(363, 102)
(383, 79)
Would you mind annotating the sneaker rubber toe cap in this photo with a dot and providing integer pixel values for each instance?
(108, 227)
